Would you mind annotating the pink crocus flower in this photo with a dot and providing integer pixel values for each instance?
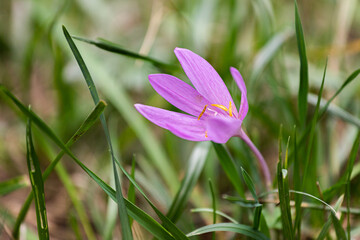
(212, 113)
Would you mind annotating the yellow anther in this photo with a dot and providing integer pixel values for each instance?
(202, 113)
(230, 109)
(220, 106)
(206, 134)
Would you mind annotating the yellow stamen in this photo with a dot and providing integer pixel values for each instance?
(220, 106)
(230, 109)
(202, 113)
(206, 134)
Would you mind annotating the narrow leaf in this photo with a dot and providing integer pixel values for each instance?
(124, 219)
(196, 164)
(37, 185)
(304, 75)
(230, 227)
(229, 167)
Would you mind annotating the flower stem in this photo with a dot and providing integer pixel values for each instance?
(262, 162)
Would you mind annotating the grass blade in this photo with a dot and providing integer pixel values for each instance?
(326, 227)
(267, 53)
(85, 126)
(213, 199)
(211, 210)
(304, 75)
(283, 190)
(229, 227)
(309, 151)
(350, 166)
(166, 222)
(131, 190)
(196, 164)
(124, 219)
(227, 163)
(347, 81)
(140, 216)
(340, 233)
(37, 185)
(251, 187)
(13, 184)
(115, 48)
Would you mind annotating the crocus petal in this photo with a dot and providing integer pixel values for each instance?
(204, 77)
(220, 129)
(244, 105)
(178, 93)
(182, 125)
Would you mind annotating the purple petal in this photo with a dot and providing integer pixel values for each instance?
(244, 105)
(178, 93)
(182, 125)
(220, 129)
(204, 77)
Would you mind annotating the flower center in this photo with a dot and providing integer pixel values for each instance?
(222, 107)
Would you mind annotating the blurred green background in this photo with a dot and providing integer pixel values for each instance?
(255, 36)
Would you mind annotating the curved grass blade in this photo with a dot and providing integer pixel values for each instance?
(267, 53)
(347, 81)
(251, 187)
(196, 164)
(336, 111)
(211, 210)
(85, 126)
(140, 216)
(230, 227)
(166, 222)
(229, 167)
(13, 184)
(327, 225)
(124, 219)
(115, 48)
(304, 75)
(350, 166)
(37, 185)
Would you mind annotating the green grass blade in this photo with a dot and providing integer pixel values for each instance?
(347, 81)
(115, 48)
(131, 191)
(267, 53)
(227, 163)
(211, 210)
(166, 222)
(136, 213)
(140, 216)
(196, 164)
(340, 233)
(310, 136)
(13, 184)
(85, 126)
(230, 227)
(37, 185)
(350, 166)
(304, 75)
(213, 200)
(283, 191)
(124, 219)
(250, 184)
(326, 227)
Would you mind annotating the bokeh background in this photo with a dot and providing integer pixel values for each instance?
(255, 36)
